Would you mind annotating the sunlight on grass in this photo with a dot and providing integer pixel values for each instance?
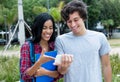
(114, 42)
(11, 47)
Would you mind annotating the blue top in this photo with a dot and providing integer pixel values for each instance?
(48, 65)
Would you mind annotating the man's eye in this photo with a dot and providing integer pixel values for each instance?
(51, 27)
(76, 20)
(69, 22)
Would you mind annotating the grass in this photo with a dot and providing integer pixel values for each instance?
(9, 67)
(115, 64)
(114, 42)
(11, 47)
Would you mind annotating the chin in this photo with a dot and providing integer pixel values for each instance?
(47, 39)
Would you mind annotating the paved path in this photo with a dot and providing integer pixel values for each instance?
(10, 53)
(17, 53)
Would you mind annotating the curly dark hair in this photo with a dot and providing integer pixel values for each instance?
(74, 6)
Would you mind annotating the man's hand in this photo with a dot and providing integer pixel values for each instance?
(65, 63)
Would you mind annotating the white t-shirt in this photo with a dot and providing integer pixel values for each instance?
(86, 50)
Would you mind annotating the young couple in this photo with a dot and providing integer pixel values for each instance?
(90, 49)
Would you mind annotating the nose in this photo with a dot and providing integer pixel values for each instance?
(48, 30)
(73, 24)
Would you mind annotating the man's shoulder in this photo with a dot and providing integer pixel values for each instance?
(92, 32)
(96, 35)
(64, 37)
(66, 34)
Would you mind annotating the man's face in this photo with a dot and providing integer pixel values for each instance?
(76, 23)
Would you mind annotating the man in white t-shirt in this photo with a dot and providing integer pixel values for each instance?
(90, 49)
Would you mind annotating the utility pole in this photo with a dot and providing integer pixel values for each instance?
(20, 24)
(21, 34)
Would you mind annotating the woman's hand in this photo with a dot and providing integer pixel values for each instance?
(42, 71)
(44, 58)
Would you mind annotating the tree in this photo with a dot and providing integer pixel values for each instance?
(108, 24)
(8, 9)
(94, 8)
(55, 12)
(110, 14)
(37, 10)
(111, 10)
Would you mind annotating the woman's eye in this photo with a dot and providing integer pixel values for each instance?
(44, 27)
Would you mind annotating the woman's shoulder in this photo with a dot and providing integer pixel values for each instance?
(52, 45)
(25, 45)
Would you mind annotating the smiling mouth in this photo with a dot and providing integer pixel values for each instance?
(74, 28)
(48, 35)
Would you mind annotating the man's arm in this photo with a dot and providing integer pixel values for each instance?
(106, 67)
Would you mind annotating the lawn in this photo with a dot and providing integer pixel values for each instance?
(114, 42)
(9, 66)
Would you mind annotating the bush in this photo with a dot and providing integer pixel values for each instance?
(9, 67)
(115, 64)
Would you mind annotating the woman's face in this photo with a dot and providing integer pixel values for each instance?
(47, 30)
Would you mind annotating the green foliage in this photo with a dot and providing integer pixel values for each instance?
(8, 9)
(94, 7)
(9, 69)
(115, 64)
(55, 12)
(12, 47)
(107, 23)
(1, 19)
(103, 10)
(110, 10)
(98, 10)
(37, 10)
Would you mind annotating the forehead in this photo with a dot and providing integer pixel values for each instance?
(48, 21)
(74, 15)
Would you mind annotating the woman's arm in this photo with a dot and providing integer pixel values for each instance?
(26, 69)
(43, 58)
(42, 71)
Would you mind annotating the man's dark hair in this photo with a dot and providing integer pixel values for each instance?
(74, 6)
(37, 27)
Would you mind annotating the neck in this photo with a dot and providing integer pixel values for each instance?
(81, 32)
(44, 44)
